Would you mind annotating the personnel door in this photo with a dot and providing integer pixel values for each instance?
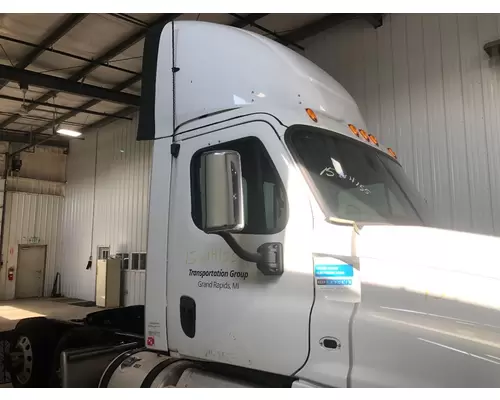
(30, 271)
(220, 307)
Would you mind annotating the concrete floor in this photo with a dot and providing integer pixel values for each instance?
(12, 311)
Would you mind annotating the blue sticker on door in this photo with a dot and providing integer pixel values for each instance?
(333, 275)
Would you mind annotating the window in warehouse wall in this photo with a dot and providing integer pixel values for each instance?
(135, 261)
(142, 261)
(123, 260)
(103, 252)
(138, 261)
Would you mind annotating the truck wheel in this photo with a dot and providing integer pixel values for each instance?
(31, 348)
(75, 338)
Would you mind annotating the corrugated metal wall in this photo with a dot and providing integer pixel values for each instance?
(427, 88)
(134, 287)
(31, 216)
(121, 172)
(32, 209)
(28, 185)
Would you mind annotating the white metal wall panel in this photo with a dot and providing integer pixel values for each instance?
(76, 219)
(122, 175)
(134, 287)
(29, 216)
(28, 185)
(427, 88)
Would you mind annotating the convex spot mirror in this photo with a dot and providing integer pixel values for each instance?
(221, 191)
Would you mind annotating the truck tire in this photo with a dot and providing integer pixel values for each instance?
(75, 338)
(32, 345)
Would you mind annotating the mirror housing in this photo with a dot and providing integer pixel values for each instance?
(221, 192)
(222, 208)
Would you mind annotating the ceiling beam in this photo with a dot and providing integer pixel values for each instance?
(55, 106)
(86, 106)
(106, 56)
(125, 112)
(32, 78)
(61, 30)
(129, 19)
(328, 22)
(34, 143)
(249, 19)
(65, 54)
(122, 46)
(14, 136)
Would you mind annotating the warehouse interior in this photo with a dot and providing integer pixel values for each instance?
(82, 198)
(427, 85)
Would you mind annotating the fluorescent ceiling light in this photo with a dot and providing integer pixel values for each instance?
(68, 132)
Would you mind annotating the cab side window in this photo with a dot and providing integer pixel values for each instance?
(263, 191)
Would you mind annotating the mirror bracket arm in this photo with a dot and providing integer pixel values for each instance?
(269, 256)
(240, 251)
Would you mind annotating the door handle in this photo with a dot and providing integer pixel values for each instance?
(188, 315)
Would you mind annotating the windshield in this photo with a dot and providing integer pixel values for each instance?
(354, 181)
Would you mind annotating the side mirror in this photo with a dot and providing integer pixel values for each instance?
(221, 192)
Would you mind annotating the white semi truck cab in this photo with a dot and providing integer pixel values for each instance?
(286, 246)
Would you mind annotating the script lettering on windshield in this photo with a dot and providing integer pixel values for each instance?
(337, 171)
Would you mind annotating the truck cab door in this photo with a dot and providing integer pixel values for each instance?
(221, 308)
